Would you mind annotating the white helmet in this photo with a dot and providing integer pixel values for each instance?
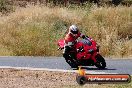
(73, 29)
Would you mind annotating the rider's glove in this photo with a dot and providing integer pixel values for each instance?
(84, 37)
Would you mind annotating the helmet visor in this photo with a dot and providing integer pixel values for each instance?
(74, 32)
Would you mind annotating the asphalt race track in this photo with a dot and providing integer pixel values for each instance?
(121, 66)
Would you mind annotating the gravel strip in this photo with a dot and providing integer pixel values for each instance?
(18, 78)
(14, 78)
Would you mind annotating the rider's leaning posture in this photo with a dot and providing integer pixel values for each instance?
(70, 39)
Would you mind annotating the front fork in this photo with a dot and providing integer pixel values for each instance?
(93, 56)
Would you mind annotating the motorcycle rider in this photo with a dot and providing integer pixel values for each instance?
(70, 39)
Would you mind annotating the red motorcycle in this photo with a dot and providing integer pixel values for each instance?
(85, 53)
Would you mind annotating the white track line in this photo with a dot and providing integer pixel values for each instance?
(55, 70)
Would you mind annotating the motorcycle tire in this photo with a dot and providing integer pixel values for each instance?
(101, 64)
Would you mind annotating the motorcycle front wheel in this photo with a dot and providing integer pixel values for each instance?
(101, 64)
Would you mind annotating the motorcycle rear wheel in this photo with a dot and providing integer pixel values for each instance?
(72, 62)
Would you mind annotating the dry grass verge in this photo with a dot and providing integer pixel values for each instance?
(34, 30)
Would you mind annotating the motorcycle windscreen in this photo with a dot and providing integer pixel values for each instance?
(86, 42)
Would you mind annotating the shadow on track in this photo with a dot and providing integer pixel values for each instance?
(99, 69)
(87, 68)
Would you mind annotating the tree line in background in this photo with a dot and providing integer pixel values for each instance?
(80, 2)
(7, 6)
